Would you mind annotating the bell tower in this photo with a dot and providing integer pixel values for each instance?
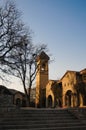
(41, 79)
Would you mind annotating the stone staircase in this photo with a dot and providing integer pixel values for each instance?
(79, 113)
(40, 119)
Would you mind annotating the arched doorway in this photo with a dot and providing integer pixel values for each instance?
(84, 100)
(18, 102)
(68, 98)
(49, 101)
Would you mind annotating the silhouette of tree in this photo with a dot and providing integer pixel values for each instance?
(11, 29)
(17, 53)
(23, 64)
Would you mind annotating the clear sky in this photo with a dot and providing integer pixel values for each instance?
(61, 24)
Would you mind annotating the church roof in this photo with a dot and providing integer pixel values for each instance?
(4, 90)
(13, 91)
(68, 71)
(83, 71)
(43, 55)
(53, 82)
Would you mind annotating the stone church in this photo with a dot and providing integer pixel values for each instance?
(11, 97)
(69, 91)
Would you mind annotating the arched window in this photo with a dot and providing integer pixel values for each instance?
(18, 102)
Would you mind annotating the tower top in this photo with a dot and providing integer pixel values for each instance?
(42, 56)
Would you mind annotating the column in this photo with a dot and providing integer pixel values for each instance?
(63, 104)
(72, 100)
(81, 100)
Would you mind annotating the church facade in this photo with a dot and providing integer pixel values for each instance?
(69, 91)
(11, 97)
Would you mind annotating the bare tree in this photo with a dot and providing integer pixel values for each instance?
(11, 29)
(22, 63)
(17, 53)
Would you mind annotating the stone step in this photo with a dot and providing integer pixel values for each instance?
(40, 112)
(38, 115)
(10, 115)
(17, 126)
(40, 120)
(44, 110)
(53, 128)
(35, 115)
(11, 121)
(37, 121)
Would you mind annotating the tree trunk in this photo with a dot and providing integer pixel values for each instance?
(29, 93)
(26, 94)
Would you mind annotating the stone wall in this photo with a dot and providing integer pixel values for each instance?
(6, 100)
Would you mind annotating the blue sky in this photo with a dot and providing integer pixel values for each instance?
(61, 24)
